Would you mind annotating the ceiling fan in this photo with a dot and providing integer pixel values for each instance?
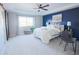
(42, 7)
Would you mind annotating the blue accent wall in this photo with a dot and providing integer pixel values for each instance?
(68, 15)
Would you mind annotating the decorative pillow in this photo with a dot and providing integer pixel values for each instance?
(56, 26)
(50, 26)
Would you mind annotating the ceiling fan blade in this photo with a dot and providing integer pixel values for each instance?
(46, 5)
(44, 9)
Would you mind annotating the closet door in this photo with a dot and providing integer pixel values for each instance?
(2, 30)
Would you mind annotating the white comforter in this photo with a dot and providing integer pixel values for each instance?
(45, 34)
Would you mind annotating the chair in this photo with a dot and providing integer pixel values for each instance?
(66, 36)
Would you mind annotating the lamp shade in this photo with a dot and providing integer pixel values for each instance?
(69, 23)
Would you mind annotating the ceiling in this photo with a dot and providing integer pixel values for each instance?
(28, 8)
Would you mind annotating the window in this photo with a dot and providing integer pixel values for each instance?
(25, 21)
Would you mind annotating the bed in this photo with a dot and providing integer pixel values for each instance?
(47, 33)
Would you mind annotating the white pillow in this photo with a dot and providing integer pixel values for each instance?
(62, 27)
(50, 26)
(56, 26)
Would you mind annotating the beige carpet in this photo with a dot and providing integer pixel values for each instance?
(29, 45)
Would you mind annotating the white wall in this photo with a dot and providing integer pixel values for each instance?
(14, 27)
(13, 24)
(2, 31)
(38, 21)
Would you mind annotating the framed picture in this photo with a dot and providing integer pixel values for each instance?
(57, 18)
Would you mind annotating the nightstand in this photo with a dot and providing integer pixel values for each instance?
(70, 31)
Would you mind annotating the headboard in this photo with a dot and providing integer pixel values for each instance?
(57, 25)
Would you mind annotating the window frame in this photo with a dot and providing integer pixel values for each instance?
(26, 21)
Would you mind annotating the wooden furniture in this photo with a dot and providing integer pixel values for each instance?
(66, 36)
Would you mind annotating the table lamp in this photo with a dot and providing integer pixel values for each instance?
(69, 24)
